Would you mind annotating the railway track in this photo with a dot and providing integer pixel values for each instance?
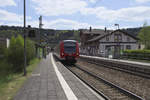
(105, 88)
(132, 71)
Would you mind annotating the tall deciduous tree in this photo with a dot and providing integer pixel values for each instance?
(144, 36)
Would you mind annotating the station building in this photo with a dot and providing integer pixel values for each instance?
(107, 43)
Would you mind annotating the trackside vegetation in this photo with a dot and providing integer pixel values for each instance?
(14, 55)
(10, 83)
(144, 36)
(11, 66)
(137, 54)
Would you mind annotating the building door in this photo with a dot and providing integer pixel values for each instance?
(108, 51)
(116, 52)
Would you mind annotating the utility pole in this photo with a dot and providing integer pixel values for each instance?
(40, 27)
(25, 58)
(40, 22)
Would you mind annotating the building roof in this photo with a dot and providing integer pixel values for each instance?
(133, 36)
(98, 37)
(94, 31)
(106, 34)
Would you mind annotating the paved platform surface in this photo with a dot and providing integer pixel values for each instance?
(52, 81)
(146, 65)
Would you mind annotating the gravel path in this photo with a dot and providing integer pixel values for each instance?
(135, 84)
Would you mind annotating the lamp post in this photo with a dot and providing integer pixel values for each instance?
(118, 44)
(25, 59)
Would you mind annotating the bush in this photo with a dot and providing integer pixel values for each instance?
(2, 49)
(15, 53)
(137, 54)
(5, 68)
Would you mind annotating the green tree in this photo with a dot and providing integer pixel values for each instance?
(144, 36)
(15, 53)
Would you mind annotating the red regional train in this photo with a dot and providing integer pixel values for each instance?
(69, 50)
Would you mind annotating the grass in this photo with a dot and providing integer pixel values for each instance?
(10, 83)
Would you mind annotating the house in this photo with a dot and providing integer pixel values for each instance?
(110, 43)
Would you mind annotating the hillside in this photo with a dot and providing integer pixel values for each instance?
(133, 31)
(52, 36)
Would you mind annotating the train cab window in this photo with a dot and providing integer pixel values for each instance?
(69, 47)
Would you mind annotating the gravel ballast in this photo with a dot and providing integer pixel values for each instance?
(135, 84)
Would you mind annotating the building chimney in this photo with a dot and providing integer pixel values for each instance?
(29, 26)
(90, 28)
(105, 29)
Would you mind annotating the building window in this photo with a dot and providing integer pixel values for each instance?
(128, 39)
(117, 37)
(139, 46)
(107, 38)
(128, 47)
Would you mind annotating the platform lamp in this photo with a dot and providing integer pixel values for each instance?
(25, 58)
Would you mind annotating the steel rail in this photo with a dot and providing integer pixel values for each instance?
(92, 87)
(144, 75)
(95, 89)
(128, 93)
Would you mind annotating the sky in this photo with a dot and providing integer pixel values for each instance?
(76, 14)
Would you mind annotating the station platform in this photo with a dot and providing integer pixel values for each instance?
(52, 81)
(134, 63)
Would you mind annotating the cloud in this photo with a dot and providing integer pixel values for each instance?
(69, 7)
(142, 1)
(93, 1)
(9, 18)
(56, 24)
(67, 24)
(64, 23)
(4, 3)
(132, 14)
(58, 7)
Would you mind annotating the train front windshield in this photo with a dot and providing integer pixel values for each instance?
(69, 47)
